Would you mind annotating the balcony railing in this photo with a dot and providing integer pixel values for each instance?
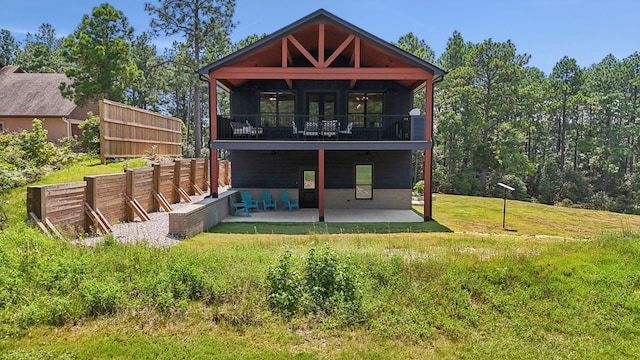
(290, 127)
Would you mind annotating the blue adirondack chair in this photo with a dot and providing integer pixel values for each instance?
(246, 198)
(268, 201)
(239, 207)
(284, 197)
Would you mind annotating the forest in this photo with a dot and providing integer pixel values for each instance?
(571, 137)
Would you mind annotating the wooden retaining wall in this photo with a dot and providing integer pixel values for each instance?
(106, 193)
(163, 181)
(200, 173)
(127, 131)
(112, 198)
(182, 175)
(224, 173)
(60, 204)
(140, 187)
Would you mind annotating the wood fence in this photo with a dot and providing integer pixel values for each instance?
(127, 131)
(97, 202)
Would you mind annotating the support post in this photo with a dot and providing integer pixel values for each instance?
(213, 128)
(427, 185)
(504, 209)
(321, 185)
(428, 152)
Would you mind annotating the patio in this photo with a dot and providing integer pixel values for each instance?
(331, 215)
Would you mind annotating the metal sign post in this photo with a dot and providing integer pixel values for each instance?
(504, 208)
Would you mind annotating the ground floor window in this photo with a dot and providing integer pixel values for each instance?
(364, 181)
(1, 126)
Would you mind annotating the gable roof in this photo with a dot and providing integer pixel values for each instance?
(32, 95)
(380, 50)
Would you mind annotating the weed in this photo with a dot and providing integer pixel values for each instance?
(285, 285)
(326, 284)
(99, 297)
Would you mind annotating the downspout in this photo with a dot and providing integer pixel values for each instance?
(212, 193)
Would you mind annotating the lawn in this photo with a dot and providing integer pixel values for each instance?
(558, 283)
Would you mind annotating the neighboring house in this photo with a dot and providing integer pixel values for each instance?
(25, 96)
(320, 109)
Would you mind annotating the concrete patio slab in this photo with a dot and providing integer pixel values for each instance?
(331, 215)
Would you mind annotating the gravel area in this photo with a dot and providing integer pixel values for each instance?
(155, 231)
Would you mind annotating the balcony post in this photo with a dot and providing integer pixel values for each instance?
(428, 152)
(321, 185)
(213, 135)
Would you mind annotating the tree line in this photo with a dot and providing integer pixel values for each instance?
(570, 137)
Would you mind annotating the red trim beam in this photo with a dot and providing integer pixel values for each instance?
(400, 73)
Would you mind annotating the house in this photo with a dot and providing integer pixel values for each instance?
(320, 109)
(25, 96)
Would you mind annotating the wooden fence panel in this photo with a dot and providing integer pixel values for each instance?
(61, 204)
(198, 175)
(140, 187)
(64, 204)
(106, 193)
(182, 176)
(224, 173)
(127, 131)
(163, 181)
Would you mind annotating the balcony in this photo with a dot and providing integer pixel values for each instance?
(290, 127)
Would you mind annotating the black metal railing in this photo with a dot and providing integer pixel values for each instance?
(352, 127)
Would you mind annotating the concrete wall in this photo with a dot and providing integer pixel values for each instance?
(195, 218)
(398, 199)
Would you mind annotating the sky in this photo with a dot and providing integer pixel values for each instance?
(547, 30)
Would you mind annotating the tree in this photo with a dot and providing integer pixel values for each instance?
(566, 80)
(9, 48)
(99, 52)
(41, 52)
(247, 41)
(205, 26)
(418, 47)
(146, 92)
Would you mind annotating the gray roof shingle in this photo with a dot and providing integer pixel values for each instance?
(32, 95)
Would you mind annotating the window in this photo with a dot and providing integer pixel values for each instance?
(364, 182)
(1, 126)
(365, 109)
(309, 180)
(277, 108)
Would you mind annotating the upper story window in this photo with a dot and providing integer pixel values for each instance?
(365, 109)
(277, 108)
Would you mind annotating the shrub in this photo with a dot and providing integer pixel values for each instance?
(91, 133)
(285, 285)
(329, 281)
(26, 156)
(419, 187)
(178, 282)
(326, 284)
(99, 297)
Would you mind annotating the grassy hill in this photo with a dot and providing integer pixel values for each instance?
(559, 283)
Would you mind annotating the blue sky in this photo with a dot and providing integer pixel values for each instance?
(586, 30)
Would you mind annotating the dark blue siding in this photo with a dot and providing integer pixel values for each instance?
(281, 169)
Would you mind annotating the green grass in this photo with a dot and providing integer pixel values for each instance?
(325, 228)
(484, 215)
(477, 293)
